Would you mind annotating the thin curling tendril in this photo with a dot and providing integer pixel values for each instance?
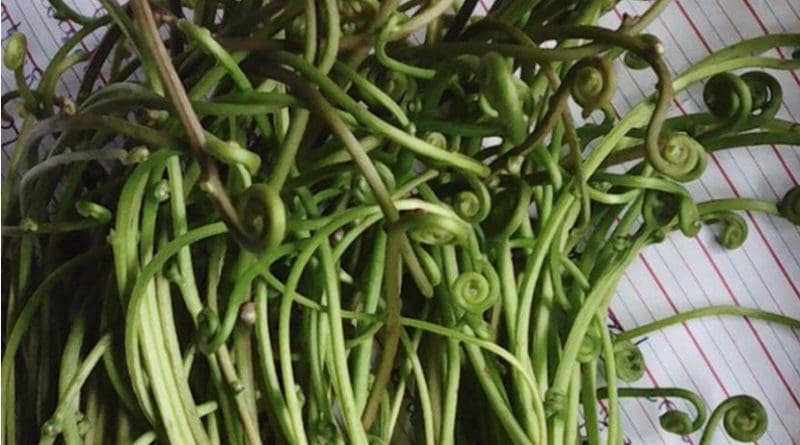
(477, 291)
(593, 84)
(734, 229)
(674, 421)
(263, 215)
(474, 204)
(661, 209)
(728, 98)
(685, 157)
(743, 418)
(766, 93)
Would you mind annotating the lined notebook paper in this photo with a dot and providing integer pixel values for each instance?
(713, 356)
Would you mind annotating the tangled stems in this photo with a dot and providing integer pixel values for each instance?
(367, 169)
(373, 92)
(357, 153)
(586, 83)
(168, 392)
(300, 118)
(380, 126)
(341, 376)
(211, 332)
(35, 301)
(743, 417)
(354, 425)
(394, 65)
(135, 320)
(499, 87)
(598, 299)
(210, 182)
(392, 289)
(53, 427)
(648, 49)
(473, 350)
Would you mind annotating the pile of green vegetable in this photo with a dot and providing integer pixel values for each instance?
(273, 221)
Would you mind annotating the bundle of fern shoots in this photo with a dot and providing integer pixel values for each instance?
(358, 221)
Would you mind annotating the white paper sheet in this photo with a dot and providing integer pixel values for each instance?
(714, 357)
